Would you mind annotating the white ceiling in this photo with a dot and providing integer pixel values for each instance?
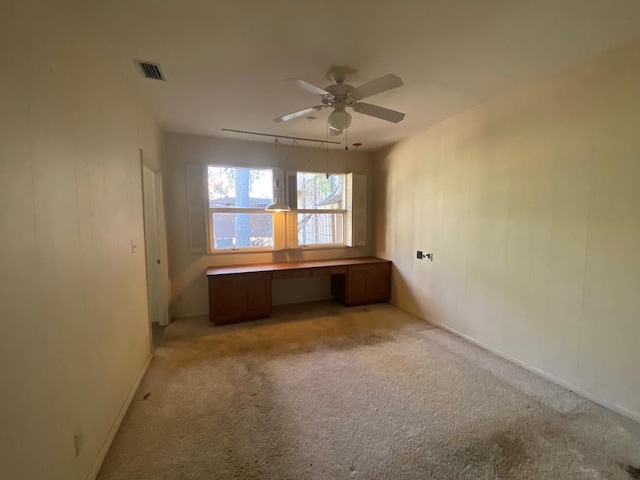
(226, 60)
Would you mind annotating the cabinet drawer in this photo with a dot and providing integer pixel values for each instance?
(297, 273)
(324, 271)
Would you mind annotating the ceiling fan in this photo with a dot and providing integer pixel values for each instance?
(340, 95)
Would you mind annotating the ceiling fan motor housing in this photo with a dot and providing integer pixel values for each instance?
(341, 93)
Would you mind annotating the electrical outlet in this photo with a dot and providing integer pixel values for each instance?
(420, 255)
(77, 442)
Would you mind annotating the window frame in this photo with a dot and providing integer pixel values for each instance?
(233, 210)
(293, 217)
(282, 222)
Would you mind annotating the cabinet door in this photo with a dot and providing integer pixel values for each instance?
(378, 282)
(368, 284)
(357, 291)
(235, 298)
(257, 296)
(225, 301)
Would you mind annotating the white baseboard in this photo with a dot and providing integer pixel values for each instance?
(594, 398)
(97, 464)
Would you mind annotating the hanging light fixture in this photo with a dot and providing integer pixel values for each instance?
(339, 120)
(279, 203)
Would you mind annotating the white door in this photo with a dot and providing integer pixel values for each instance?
(153, 247)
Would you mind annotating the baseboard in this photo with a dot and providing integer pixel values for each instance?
(317, 298)
(590, 396)
(116, 424)
(189, 315)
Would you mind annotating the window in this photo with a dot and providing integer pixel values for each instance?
(237, 198)
(321, 208)
(226, 209)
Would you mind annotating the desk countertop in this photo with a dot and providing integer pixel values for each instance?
(278, 266)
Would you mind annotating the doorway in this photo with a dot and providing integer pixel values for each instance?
(153, 235)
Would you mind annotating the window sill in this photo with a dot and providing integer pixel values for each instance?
(232, 251)
(272, 250)
(319, 247)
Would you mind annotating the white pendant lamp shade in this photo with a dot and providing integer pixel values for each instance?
(279, 204)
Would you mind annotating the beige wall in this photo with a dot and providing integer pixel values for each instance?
(531, 206)
(187, 270)
(75, 333)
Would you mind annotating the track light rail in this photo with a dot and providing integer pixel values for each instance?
(280, 136)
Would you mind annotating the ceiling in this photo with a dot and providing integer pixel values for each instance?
(226, 61)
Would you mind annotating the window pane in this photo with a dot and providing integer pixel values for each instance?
(317, 192)
(242, 230)
(320, 228)
(239, 187)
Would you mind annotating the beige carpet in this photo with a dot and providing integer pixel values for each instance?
(325, 392)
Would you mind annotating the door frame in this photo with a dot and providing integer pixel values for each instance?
(162, 305)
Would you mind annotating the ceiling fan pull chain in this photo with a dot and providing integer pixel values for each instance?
(326, 152)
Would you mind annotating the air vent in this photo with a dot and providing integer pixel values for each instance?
(150, 70)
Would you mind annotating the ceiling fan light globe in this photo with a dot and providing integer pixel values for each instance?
(339, 120)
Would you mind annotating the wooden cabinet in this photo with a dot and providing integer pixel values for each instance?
(236, 298)
(368, 284)
(243, 292)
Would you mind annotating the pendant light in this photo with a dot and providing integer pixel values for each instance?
(279, 203)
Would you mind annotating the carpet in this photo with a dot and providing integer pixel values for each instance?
(320, 391)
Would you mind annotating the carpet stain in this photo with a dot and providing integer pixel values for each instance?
(501, 455)
(633, 472)
(512, 452)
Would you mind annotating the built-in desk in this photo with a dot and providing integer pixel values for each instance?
(243, 292)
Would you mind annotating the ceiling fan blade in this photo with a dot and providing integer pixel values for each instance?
(309, 87)
(379, 85)
(379, 112)
(299, 113)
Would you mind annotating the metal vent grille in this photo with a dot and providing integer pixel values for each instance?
(150, 70)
